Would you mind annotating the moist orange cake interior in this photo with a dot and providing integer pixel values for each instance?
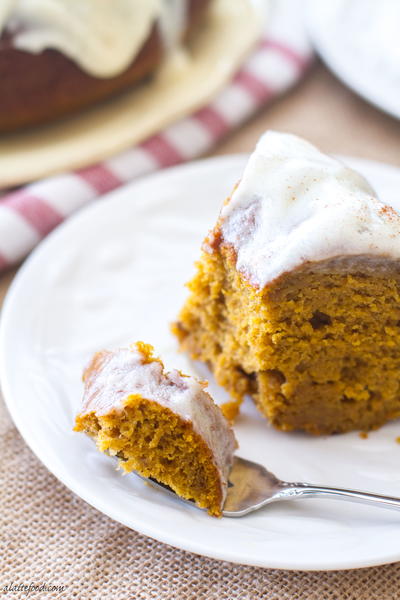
(153, 440)
(317, 351)
(315, 341)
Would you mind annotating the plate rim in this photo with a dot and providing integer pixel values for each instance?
(323, 47)
(78, 487)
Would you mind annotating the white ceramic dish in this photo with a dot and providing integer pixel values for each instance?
(371, 75)
(113, 274)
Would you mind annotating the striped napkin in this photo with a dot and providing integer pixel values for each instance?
(29, 213)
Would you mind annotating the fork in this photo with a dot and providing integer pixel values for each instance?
(251, 487)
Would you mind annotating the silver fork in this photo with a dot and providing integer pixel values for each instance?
(251, 487)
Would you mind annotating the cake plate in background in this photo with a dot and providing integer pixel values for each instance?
(183, 84)
(358, 40)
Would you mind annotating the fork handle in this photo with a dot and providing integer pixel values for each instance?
(305, 490)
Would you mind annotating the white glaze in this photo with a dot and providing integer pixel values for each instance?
(102, 36)
(295, 204)
(122, 373)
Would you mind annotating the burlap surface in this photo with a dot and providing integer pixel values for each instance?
(50, 537)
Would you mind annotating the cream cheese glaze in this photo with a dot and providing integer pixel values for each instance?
(102, 36)
(295, 204)
(124, 372)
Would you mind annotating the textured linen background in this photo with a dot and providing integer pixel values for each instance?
(49, 535)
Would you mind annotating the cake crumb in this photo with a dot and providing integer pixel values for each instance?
(363, 435)
(230, 410)
(398, 440)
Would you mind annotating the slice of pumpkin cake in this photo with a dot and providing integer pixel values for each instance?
(296, 299)
(162, 425)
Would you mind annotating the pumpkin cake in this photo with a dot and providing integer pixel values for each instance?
(296, 298)
(162, 425)
(60, 56)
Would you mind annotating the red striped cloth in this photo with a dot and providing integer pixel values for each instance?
(30, 213)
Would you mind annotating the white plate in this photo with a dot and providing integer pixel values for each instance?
(368, 71)
(113, 274)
